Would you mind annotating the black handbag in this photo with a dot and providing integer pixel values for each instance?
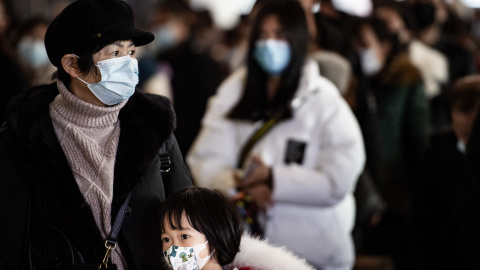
(49, 248)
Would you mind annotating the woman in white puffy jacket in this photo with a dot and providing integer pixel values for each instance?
(302, 172)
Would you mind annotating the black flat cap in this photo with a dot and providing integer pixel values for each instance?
(86, 26)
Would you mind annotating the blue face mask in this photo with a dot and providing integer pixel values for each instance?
(272, 55)
(33, 52)
(165, 37)
(119, 78)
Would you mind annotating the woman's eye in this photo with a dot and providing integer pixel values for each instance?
(132, 52)
(185, 236)
(115, 53)
(165, 240)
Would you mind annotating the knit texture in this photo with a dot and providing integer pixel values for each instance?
(89, 138)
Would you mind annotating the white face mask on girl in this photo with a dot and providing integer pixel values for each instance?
(371, 65)
(119, 78)
(186, 258)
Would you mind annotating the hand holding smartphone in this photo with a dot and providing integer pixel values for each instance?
(250, 170)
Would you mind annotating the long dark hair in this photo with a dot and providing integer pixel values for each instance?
(254, 105)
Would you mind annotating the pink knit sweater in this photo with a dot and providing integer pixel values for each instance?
(89, 136)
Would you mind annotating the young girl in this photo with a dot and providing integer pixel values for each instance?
(278, 116)
(202, 229)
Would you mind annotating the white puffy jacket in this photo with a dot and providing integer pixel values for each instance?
(313, 211)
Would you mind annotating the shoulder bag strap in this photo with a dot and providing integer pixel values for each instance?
(256, 136)
(111, 242)
(164, 155)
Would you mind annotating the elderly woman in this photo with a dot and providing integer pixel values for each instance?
(73, 152)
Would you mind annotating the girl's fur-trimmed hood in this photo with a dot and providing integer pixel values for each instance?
(261, 255)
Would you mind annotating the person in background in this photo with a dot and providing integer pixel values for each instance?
(403, 121)
(332, 28)
(469, 237)
(446, 197)
(193, 76)
(72, 151)
(437, 26)
(205, 225)
(207, 34)
(30, 47)
(332, 65)
(338, 69)
(232, 49)
(432, 63)
(294, 138)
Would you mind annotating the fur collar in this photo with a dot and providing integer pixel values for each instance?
(146, 121)
(400, 71)
(262, 255)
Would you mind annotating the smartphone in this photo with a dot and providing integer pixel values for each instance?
(250, 170)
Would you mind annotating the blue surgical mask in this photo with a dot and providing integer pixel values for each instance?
(165, 37)
(33, 52)
(119, 78)
(272, 55)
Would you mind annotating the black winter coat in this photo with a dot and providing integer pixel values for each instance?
(37, 186)
(446, 206)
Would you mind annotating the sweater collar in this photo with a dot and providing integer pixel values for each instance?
(146, 123)
(83, 113)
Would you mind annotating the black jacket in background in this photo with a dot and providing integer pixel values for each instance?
(446, 207)
(35, 172)
(195, 78)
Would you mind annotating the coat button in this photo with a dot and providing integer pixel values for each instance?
(128, 211)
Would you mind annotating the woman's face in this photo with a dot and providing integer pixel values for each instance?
(114, 50)
(272, 51)
(187, 237)
(370, 41)
(117, 49)
(372, 52)
(270, 28)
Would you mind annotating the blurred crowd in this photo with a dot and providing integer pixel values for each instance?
(408, 73)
